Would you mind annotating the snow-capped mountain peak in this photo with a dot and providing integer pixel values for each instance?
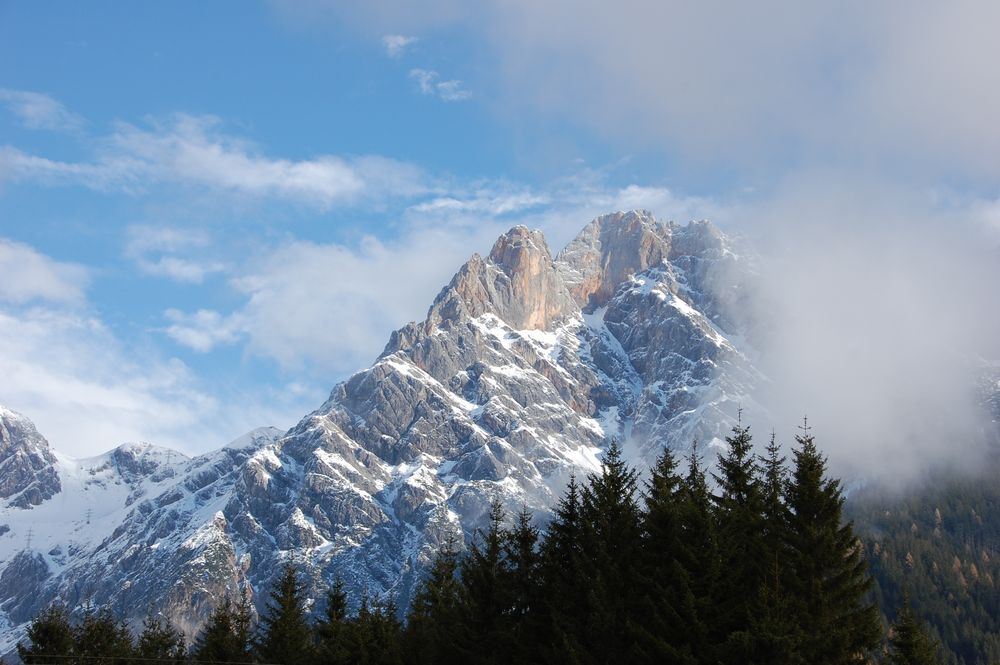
(524, 368)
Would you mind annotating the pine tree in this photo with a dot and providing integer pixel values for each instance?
(332, 631)
(612, 534)
(775, 513)
(285, 637)
(739, 518)
(698, 555)
(435, 619)
(561, 613)
(910, 644)
(102, 640)
(50, 635)
(225, 637)
(521, 552)
(487, 594)
(376, 635)
(773, 622)
(827, 571)
(161, 641)
(667, 614)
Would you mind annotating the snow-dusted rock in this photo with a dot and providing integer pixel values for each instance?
(524, 368)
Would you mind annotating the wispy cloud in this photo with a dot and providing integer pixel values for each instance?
(37, 110)
(192, 151)
(395, 45)
(166, 252)
(31, 276)
(328, 308)
(87, 391)
(204, 329)
(429, 83)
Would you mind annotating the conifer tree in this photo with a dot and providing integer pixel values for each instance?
(487, 591)
(435, 618)
(102, 640)
(773, 622)
(699, 554)
(611, 541)
(160, 641)
(285, 637)
(910, 644)
(739, 509)
(523, 560)
(375, 637)
(226, 636)
(561, 613)
(827, 570)
(775, 514)
(332, 630)
(667, 613)
(50, 636)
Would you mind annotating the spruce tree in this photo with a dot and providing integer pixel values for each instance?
(50, 636)
(611, 543)
(332, 630)
(160, 641)
(910, 644)
(775, 513)
(667, 616)
(102, 640)
(487, 591)
(375, 638)
(698, 555)
(435, 619)
(521, 552)
(226, 636)
(739, 518)
(285, 637)
(561, 613)
(774, 622)
(827, 571)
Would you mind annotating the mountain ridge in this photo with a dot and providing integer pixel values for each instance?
(524, 367)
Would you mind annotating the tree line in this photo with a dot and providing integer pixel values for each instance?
(761, 569)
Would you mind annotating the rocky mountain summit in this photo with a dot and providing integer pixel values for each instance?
(526, 365)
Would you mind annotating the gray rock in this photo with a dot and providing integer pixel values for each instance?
(522, 371)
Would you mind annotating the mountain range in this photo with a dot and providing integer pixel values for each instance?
(525, 367)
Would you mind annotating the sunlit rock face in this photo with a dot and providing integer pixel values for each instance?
(523, 370)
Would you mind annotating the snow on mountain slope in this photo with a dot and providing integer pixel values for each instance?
(524, 368)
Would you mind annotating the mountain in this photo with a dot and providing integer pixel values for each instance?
(526, 365)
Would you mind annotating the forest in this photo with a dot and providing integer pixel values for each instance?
(752, 562)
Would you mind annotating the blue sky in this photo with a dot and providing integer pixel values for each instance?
(211, 212)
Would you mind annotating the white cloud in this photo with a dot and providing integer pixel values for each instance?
(902, 86)
(155, 249)
(29, 276)
(191, 151)
(429, 83)
(204, 329)
(87, 392)
(39, 111)
(395, 45)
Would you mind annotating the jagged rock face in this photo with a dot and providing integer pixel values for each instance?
(609, 251)
(522, 371)
(517, 283)
(27, 476)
